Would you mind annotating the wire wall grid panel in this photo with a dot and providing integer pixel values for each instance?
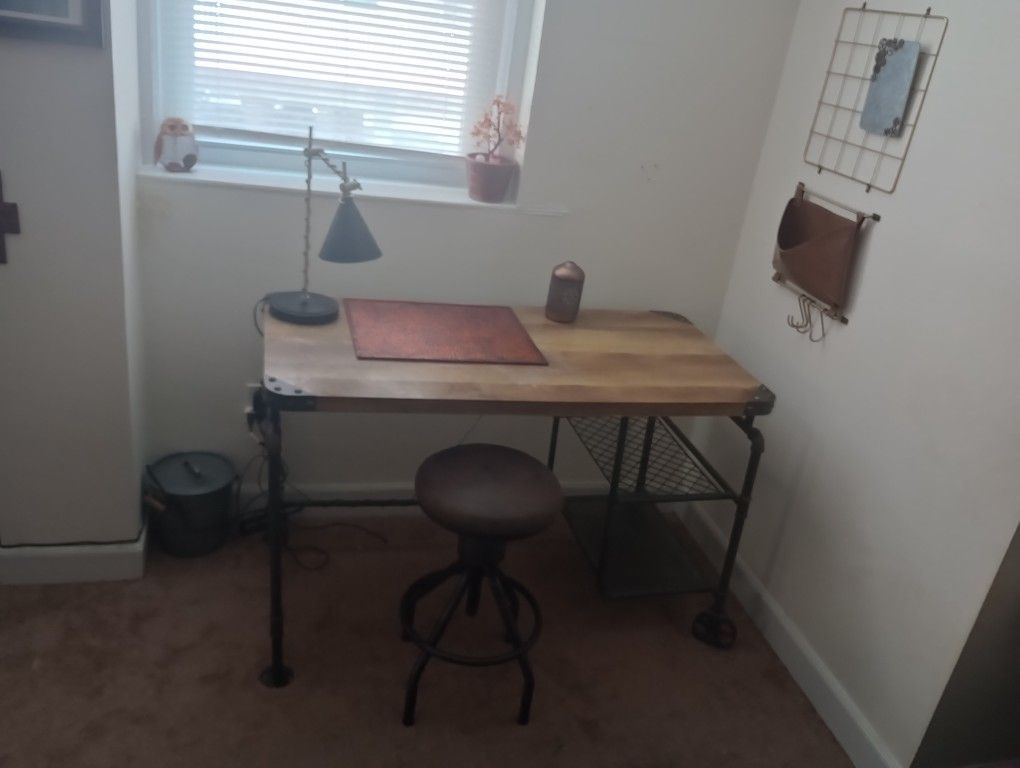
(836, 142)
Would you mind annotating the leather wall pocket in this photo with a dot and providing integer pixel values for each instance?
(815, 250)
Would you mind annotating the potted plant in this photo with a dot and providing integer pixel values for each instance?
(489, 172)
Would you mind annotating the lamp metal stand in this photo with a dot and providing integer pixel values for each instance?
(303, 307)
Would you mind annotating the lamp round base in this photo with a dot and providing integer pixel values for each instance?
(303, 308)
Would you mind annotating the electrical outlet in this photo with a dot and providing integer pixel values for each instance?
(250, 388)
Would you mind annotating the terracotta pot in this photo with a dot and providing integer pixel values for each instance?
(488, 181)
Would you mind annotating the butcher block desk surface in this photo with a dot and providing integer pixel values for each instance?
(607, 362)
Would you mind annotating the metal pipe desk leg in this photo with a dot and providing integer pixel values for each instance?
(277, 674)
(553, 437)
(646, 454)
(614, 492)
(713, 626)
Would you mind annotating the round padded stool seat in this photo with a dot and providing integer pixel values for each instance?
(488, 491)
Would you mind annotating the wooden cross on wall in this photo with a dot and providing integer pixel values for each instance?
(9, 223)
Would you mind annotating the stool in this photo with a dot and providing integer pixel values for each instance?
(487, 495)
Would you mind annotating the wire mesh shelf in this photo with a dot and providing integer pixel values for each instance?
(836, 142)
(673, 470)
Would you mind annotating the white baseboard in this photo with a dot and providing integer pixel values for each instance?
(841, 714)
(65, 564)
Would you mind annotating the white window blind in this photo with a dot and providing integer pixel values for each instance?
(402, 74)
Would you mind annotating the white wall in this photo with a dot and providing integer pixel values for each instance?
(124, 51)
(646, 125)
(66, 458)
(887, 495)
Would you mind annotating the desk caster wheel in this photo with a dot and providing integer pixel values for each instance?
(714, 629)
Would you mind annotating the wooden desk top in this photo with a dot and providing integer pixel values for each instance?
(608, 362)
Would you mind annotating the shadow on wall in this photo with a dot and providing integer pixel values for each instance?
(977, 720)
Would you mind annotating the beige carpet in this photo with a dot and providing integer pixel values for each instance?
(162, 671)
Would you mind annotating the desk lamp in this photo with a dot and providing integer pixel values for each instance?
(348, 241)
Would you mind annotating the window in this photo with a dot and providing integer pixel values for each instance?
(394, 84)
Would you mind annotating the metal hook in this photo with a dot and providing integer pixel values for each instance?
(821, 321)
(805, 311)
(808, 306)
(805, 317)
(791, 320)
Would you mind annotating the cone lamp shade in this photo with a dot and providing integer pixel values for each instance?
(349, 240)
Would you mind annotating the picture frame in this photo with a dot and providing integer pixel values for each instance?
(77, 22)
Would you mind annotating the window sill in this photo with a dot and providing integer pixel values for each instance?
(322, 186)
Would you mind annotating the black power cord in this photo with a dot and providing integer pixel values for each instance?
(255, 314)
(252, 519)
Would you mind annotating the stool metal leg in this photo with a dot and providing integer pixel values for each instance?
(499, 592)
(515, 603)
(411, 694)
(418, 590)
(474, 592)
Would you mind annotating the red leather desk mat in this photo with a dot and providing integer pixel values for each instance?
(448, 333)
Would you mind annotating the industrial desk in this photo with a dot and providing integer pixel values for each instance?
(605, 370)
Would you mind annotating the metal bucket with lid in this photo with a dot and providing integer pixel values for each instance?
(191, 496)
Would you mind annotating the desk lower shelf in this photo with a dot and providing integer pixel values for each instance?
(648, 555)
(658, 463)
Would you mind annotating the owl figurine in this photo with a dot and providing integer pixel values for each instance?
(176, 148)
